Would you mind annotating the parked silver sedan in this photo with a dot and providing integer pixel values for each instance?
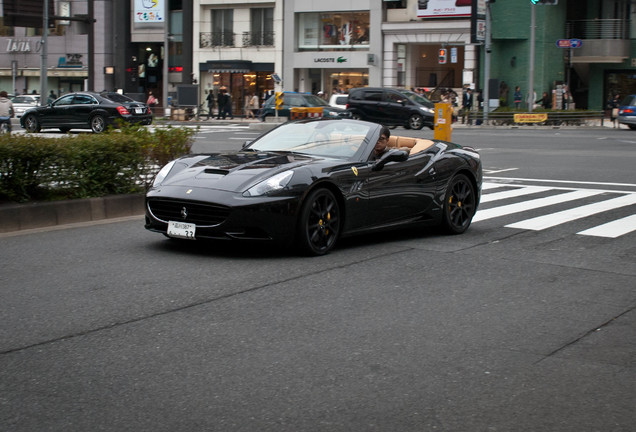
(24, 102)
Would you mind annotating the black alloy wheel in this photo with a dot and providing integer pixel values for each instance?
(31, 123)
(416, 122)
(459, 204)
(98, 123)
(319, 224)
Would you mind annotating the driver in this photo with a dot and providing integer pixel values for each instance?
(381, 146)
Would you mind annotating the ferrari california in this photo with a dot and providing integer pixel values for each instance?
(86, 110)
(312, 182)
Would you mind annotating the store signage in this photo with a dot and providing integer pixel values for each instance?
(530, 118)
(23, 45)
(150, 11)
(339, 59)
(443, 8)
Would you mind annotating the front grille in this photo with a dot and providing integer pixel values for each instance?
(201, 214)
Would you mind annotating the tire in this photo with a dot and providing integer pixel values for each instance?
(98, 123)
(356, 116)
(632, 127)
(319, 223)
(4, 128)
(32, 124)
(459, 205)
(416, 122)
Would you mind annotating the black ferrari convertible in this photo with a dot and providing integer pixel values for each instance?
(311, 182)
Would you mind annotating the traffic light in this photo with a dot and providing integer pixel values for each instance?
(279, 100)
(442, 56)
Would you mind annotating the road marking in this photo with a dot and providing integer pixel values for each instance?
(494, 171)
(527, 190)
(558, 218)
(512, 179)
(613, 229)
(532, 204)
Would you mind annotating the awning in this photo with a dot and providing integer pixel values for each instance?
(234, 66)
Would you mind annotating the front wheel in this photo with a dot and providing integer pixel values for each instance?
(98, 124)
(460, 204)
(5, 128)
(416, 122)
(31, 123)
(356, 116)
(319, 224)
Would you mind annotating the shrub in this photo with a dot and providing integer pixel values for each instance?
(86, 165)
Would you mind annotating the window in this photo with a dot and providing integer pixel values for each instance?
(333, 31)
(262, 27)
(222, 27)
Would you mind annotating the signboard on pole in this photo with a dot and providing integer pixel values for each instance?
(569, 43)
(478, 21)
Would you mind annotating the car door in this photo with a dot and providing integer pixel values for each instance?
(81, 109)
(371, 105)
(401, 191)
(396, 106)
(60, 112)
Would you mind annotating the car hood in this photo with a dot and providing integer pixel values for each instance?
(232, 172)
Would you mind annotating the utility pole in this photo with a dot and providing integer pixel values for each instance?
(166, 55)
(531, 71)
(488, 46)
(44, 55)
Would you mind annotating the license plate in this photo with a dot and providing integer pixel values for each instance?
(181, 230)
(139, 111)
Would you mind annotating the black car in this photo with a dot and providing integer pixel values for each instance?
(86, 110)
(300, 100)
(391, 107)
(313, 181)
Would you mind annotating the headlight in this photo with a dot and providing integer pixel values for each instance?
(162, 174)
(427, 110)
(272, 184)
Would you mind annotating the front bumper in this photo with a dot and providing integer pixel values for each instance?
(223, 215)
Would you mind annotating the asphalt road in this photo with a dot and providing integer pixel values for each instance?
(505, 328)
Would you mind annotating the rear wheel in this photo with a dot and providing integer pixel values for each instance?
(459, 204)
(31, 123)
(319, 224)
(632, 127)
(416, 121)
(98, 123)
(356, 116)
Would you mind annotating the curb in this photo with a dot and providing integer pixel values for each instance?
(18, 217)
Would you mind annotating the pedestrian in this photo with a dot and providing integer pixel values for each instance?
(6, 110)
(518, 97)
(467, 104)
(210, 100)
(253, 105)
(52, 97)
(613, 105)
(152, 101)
(546, 101)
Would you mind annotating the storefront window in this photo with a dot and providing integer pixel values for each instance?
(333, 31)
(341, 82)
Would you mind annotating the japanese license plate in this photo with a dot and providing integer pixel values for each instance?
(139, 110)
(181, 230)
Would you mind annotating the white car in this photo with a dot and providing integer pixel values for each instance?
(24, 102)
(339, 100)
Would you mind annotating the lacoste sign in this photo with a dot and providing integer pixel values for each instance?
(330, 59)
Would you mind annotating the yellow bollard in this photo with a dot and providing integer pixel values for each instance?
(443, 121)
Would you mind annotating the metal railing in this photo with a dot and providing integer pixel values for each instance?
(598, 29)
(216, 39)
(226, 39)
(554, 118)
(263, 38)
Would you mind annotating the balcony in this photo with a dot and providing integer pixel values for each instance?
(225, 39)
(604, 40)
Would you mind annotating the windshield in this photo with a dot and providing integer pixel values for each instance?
(337, 139)
(419, 99)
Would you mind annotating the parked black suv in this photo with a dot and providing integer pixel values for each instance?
(391, 107)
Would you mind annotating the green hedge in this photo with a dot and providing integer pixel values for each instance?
(86, 165)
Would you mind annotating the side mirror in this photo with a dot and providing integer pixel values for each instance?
(393, 155)
(245, 144)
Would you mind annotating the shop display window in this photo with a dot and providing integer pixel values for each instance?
(333, 31)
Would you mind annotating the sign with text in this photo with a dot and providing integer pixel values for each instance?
(150, 11)
(530, 118)
(443, 8)
(569, 43)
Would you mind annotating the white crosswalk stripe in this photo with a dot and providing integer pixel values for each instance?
(558, 196)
